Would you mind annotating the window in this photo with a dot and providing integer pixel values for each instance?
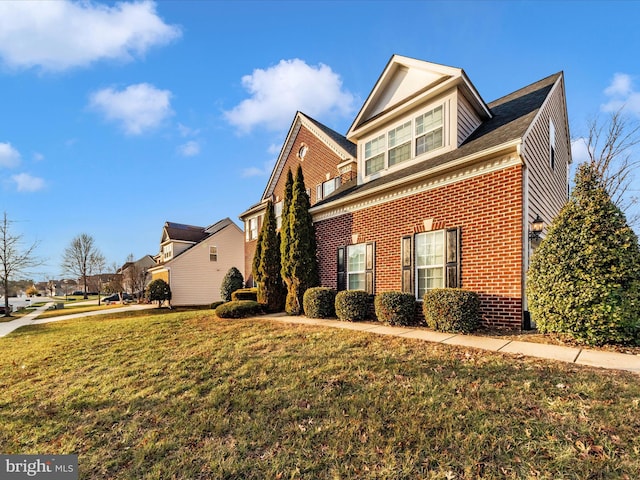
(429, 257)
(374, 155)
(303, 151)
(400, 144)
(430, 260)
(356, 267)
(429, 131)
(394, 147)
(251, 228)
(167, 251)
(327, 188)
(277, 210)
(213, 253)
(552, 144)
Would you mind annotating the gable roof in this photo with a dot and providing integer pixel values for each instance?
(405, 82)
(511, 117)
(332, 139)
(182, 233)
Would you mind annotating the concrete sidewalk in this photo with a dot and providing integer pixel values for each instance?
(580, 356)
(31, 318)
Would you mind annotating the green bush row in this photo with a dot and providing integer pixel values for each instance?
(245, 294)
(445, 309)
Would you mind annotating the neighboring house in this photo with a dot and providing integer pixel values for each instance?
(432, 187)
(194, 260)
(136, 276)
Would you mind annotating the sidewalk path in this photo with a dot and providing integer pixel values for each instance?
(30, 318)
(577, 355)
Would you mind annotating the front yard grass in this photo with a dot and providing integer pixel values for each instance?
(161, 395)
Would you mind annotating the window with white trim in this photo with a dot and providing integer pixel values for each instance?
(356, 266)
(425, 132)
(430, 261)
(213, 253)
(251, 228)
(552, 144)
(327, 188)
(277, 210)
(167, 251)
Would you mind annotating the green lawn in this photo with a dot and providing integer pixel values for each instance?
(162, 395)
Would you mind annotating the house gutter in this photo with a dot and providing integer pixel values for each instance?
(507, 146)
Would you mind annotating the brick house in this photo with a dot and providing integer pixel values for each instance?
(431, 186)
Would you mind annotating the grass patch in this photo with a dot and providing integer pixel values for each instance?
(185, 395)
(73, 309)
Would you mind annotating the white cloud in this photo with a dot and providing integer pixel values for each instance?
(189, 149)
(290, 86)
(63, 34)
(622, 95)
(38, 157)
(27, 183)
(579, 151)
(187, 131)
(259, 172)
(9, 156)
(139, 107)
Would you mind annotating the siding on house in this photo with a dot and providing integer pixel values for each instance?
(547, 186)
(194, 279)
(468, 119)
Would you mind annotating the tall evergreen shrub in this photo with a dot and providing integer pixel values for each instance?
(271, 291)
(584, 278)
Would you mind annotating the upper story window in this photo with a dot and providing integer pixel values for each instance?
(277, 210)
(425, 132)
(167, 252)
(213, 253)
(552, 144)
(327, 188)
(251, 228)
(303, 151)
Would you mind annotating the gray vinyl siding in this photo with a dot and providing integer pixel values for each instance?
(547, 185)
(468, 120)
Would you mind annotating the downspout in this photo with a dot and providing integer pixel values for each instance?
(526, 251)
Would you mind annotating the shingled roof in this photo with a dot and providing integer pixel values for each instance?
(512, 115)
(185, 233)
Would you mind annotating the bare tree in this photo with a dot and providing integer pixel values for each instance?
(610, 148)
(14, 259)
(83, 259)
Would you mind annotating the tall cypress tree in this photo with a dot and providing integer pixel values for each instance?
(285, 231)
(271, 292)
(302, 264)
(255, 265)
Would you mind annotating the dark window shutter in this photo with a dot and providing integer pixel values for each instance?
(406, 252)
(452, 266)
(342, 269)
(370, 267)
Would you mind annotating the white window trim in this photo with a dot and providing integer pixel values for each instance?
(213, 251)
(445, 103)
(425, 267)
(552, 144)
(362, 272)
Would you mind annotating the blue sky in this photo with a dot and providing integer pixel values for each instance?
(117, 117)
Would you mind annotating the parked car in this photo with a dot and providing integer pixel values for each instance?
(116, 298)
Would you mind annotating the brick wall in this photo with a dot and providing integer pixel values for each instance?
(487, 209)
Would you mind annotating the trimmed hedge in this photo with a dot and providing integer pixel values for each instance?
(452, 310)
(396, 308)
(239, 309)
(215, 305)
(352, 305)
(319, 302)
(245, 294)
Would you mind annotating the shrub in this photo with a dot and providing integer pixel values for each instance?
(215, 305)
(319, 302)
(352, 305)
(584, 278)
(158, 291)
(231, 282)
(245, 294)
(452, 310)
(238, 309)
(396, 308)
